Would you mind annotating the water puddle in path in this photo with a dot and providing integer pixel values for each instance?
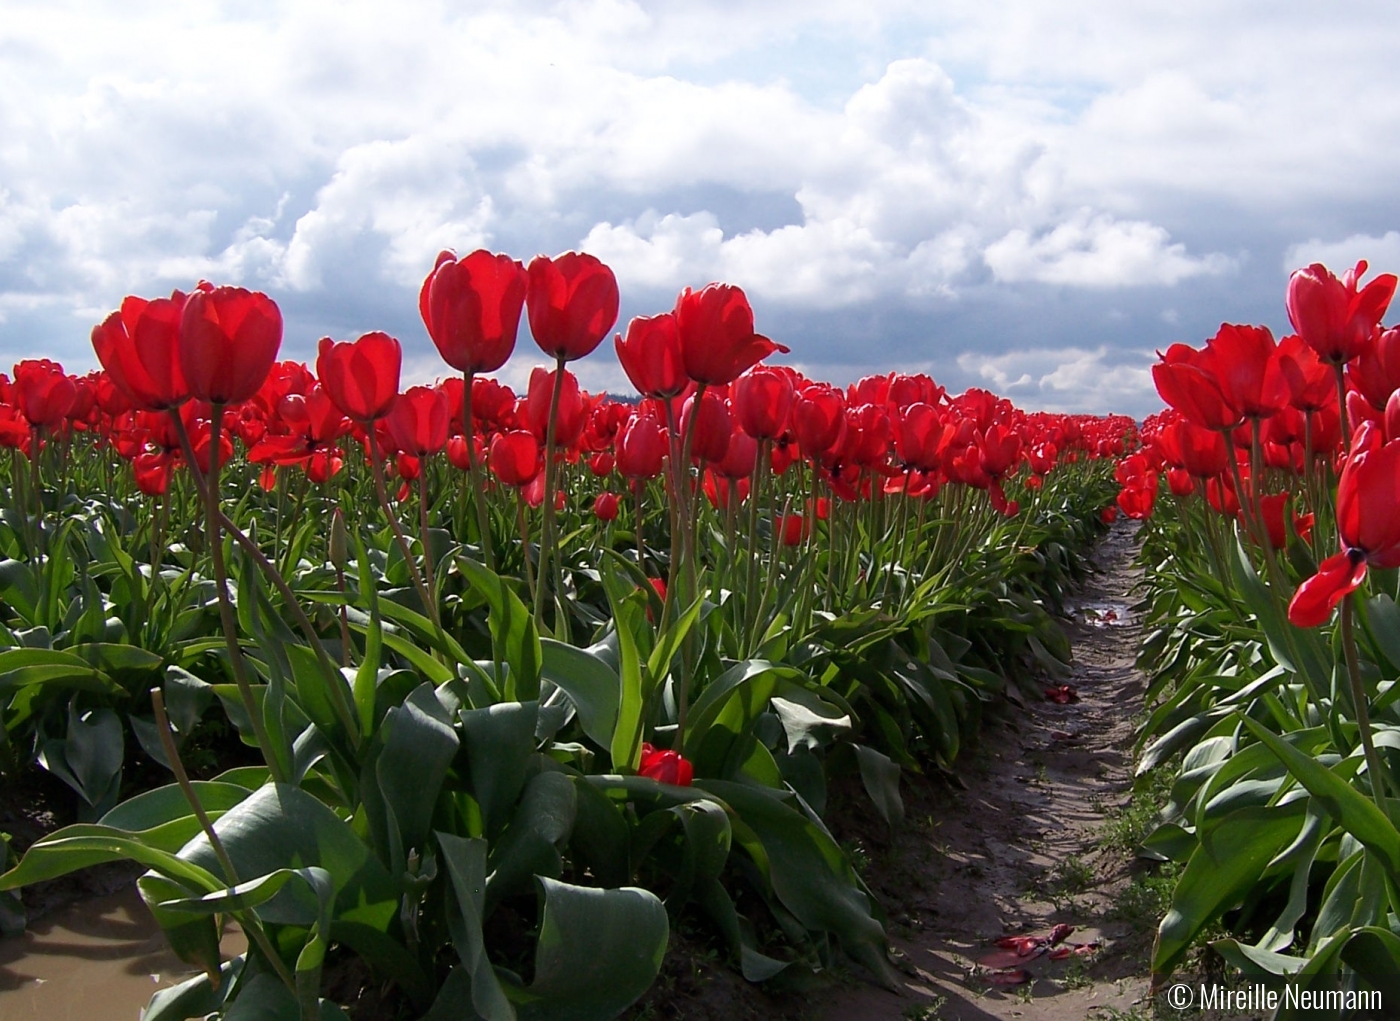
(99, 958)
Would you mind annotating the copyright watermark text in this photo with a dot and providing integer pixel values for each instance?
(1288, 996)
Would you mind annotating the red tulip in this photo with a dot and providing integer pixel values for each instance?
(641, 447)
(792, 528)
(572, 302)
(361, 377)
(762, 399)
(1248, 371)
(651, 356)
(572, 414)
(1368, 494)
(605, 506)
(1186, 380)
(418, 421)
(739, 459)
(712, 426)
(471, 308)
(1332, 316)
(717, 338)
(1311, 385)
(818, 420)
(44, 392)
(666, 766)
(920, 438)
(1376, 373)
(229, 338)
(515, 457)
(139, 346)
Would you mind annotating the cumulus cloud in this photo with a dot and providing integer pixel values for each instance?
(1098, 251)
(1068, 379)
(880, 165)
(1381, 253)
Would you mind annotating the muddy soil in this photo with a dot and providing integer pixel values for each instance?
(1024, 847)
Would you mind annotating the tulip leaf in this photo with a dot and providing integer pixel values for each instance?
(530, 844)
(1357, 814)
(500, 740)
(881, 779)
(466, 867)
(513, 634)
(82, 844)
(591, 684)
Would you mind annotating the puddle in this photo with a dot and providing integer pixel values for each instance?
(1103, 614)
(98, 958)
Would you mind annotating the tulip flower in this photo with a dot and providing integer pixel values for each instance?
(707, 430)
(139, 346)
(665, 766)
(44, 392)
(651, 356)
(605, 506)
(362, 377)
(818, 420)
(572, 302)
(1335, 317)
(641, 447)
(418, 421)
(1376, 372)
(717, 337)
(471, 308)
(570, 414)
(514, 457)
(1248, 371)
(1368, 494)
(763, 399)
(229, 338)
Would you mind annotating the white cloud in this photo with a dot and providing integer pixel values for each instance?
(1068, 379)
(1381, 253)
(1090, 250)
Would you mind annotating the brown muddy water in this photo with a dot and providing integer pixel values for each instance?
(100, 958)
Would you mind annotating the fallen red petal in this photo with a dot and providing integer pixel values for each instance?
(1009, 977)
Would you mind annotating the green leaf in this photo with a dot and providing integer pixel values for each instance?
(881, 779)
(530, 844)
(466, 867)
(1357, 814)
(513, 633)
(195, 997)
(265, 998)
(598, 952)
(810, 875)
(629, 622)
(1231, 858)
(404, 773)
(84, 844)
(500, 740)
(591, 684)
(278, 826)
(159, 817)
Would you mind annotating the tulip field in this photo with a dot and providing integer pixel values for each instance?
(485, 693)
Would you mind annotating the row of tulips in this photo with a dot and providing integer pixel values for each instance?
(1272, 485)
(554, 663)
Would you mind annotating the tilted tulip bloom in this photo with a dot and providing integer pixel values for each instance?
(665, 766)
(139, 346)
(718, 341)
(418, 421)
(44, 392)
(229, 337)
(1368, 494)
(514, 457)
(471, 308)
(1248, 370)
(572, 301)
(1335, 317)
(651, 356)
(1186, 380)
(1310, 382)
(362, 377)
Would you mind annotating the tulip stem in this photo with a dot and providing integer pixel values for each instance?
(226, 618)
(547, 552)
(483, 515)
(377, 469)
(335, 681)
(525, 554)
(428, 572)
(1379, 777)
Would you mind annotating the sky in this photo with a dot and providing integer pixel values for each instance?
(1022, 196)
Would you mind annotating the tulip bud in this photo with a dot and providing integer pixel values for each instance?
(339, 541)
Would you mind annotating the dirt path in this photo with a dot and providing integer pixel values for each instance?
(1028, 845)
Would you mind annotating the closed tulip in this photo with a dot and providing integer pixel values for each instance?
(139, 346)
(229, 337)
(362, 377)
(572, 302)
(717, 337)
(44, 392)
(418, 421)
(651, 356)
(471, 308)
